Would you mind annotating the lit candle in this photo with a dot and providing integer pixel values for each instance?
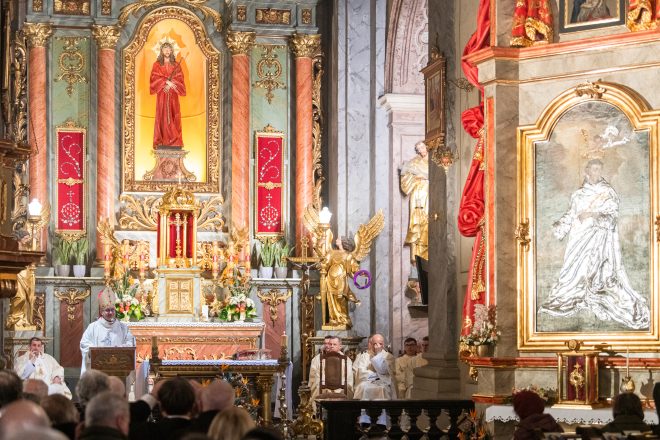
(627, 362)
(142, 265)
(106, 260)
(284, 340)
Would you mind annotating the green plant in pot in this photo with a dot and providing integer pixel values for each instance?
(80, 248)
(266, 260)
(62, 252)
(283, 251)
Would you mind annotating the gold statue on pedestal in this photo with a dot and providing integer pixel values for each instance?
(415, 183)
(21, 305)
(336, 265)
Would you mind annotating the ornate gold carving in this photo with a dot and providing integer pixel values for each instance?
(37, 5)
(179, 295)
(213, 104)
(305, 45)
(214, 340)
(640, 18)
(241, 13)
(593, 90)
(4, 202)
(38, 318)
(71, 63)
(180, 354)
(21, 306)
(306, 424)
(139, 214)
(462, 84)
(197, 5)
(269, 69)
(240, 43)
(106, 36)
(522, 234)
(37, 34)
(106, 7)
(272, 16)
(443, 157)
(72, 7)
(317, 131)
(72, 297)
(21, 194)
(306, 16)
(19, 90)
(274, 297)
(210, 215)
(265, 383)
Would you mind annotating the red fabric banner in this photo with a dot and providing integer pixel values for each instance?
(532, 23)
(270, 184)
(643, 15)
(472, 207)
(71, 180)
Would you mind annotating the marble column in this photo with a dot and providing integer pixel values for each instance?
(240, 43)
(304, 48)
(106, 40)
(37, 38)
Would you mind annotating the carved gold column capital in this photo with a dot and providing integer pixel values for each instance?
(239, 43)
(305, 45)
(106, 36)
(37, 34)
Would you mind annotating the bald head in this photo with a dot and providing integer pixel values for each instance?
(376, 343)
(117, 386)
(36, 387)
(218, 395)
(20, 416)
(37, 433)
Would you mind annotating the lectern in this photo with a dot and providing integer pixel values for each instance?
(114, 361)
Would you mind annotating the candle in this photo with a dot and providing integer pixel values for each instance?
(284, 341)
(627, 362)
(106, 260)
(142, 268)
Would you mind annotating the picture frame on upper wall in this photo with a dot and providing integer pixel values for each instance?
(589, 222)
(582, 15)
(434, 100)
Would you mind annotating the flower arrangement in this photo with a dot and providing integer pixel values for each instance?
(484, 330)
(127, 305)
(473, 427)
(238, 307)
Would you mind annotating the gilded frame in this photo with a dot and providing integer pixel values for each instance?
(213, 104)
(644, 122)
(434, 101)
(568, 22)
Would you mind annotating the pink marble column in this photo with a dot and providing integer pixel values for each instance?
(37, 38)
(304, 47)
(106, 39)
(240, 43)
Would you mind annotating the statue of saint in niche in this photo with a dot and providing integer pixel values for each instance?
(167, 84)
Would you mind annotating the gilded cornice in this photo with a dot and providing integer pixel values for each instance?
(106, 36)
(240, 42)
(305, 45)
(37, 34)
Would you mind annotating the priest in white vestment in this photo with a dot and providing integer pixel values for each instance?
(106, 331)
(405, 366)
(35, 364)
(593, 276)
(374, 375)
(330, 343)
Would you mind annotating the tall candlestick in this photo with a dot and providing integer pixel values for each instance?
(627, 361)
(284, 340)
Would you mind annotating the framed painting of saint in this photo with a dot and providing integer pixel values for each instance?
(172, 102)
(580, 15)
(588, 208)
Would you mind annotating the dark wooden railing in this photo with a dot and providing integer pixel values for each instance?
(341, 418)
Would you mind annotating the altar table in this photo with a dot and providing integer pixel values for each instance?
(570, 416)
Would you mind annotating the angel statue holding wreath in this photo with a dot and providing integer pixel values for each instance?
(337, 264)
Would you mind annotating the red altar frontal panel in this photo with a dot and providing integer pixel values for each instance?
(194, 341)
(270, 183)
(71, 159)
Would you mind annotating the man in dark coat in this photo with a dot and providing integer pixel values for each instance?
(107, 417)
(529, 407)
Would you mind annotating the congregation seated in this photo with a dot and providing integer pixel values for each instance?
(341, 382)
(628, 414)
(91, 383)
(63, 414)
(35, 364)
(107, 417)
(35, 390)
(11, 387)
(529, 407)
(215, 398)
(231, 424)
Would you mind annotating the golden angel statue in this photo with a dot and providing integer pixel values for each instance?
(336, 265)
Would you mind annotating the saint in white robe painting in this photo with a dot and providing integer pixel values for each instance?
(593, 276)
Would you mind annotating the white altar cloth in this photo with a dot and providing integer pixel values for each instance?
(571, 416)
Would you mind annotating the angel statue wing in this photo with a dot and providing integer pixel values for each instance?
(366, 233)
(311, 218)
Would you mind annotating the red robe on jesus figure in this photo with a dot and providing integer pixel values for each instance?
(167, 84)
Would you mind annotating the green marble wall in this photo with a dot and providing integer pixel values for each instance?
(70, 80)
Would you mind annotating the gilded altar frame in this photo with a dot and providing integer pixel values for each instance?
(537, 332)
(213, 96)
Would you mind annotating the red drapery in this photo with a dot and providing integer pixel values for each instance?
(167, 124)
(471, 210)
(71, 180)
(532, 23)
(270, 184)
(643, 14)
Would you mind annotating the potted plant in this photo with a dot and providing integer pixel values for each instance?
(483, 337)
(62, 256)
(266, 260)
(282, 251)
(79, 251)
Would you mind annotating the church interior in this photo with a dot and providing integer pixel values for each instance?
(250, 177)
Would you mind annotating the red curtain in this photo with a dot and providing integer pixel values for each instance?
(643, 14)
(532, 23)
(471, 210)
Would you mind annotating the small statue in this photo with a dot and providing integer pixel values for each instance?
(21, 311)
(415, 183)
(337, 265)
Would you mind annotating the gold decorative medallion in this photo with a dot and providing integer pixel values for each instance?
(197, 5)
(272, 16)
(241, 13)
(37, 34)
(71, 63)
(306, 16)
(106, 36)
(72, 297)
(269, 70)
(274, 297)
(240, 43)
(305, 45)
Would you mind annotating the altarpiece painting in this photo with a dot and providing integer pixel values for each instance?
(588, 204)
(172, 105)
